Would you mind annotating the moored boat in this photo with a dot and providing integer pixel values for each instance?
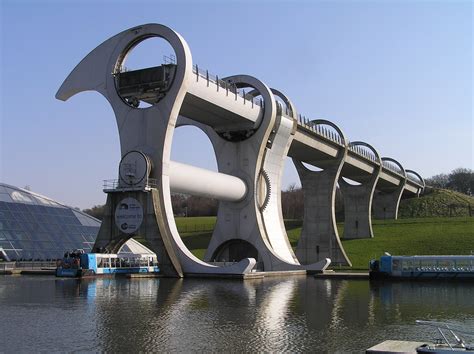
(450, 341)
(80, 264)
(423, 267)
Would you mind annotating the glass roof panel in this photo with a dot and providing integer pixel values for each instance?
(21, 197)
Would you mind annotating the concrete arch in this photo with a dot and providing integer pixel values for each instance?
(386, 201)
(402, 169)
(358, 200)
(370, 147)
(234, 249)
(316, 122)
(411, 172)
(291, 108)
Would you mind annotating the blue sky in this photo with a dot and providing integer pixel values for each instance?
(396, 74)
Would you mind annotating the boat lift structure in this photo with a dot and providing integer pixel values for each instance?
(253, 128)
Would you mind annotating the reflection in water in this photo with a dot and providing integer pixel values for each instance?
(294, 314)
(271, 325)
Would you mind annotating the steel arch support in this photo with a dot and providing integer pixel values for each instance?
(358, 202)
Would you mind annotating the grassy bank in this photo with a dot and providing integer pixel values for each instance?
(441, 235)
(421, 236)
(437, 202)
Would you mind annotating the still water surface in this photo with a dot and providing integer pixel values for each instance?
(296, 314)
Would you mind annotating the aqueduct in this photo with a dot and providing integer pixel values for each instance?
(253, 128)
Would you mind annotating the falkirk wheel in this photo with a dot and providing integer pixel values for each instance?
(253, 128)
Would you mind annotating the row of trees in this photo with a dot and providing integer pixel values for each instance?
(460, 180)
(189, 205)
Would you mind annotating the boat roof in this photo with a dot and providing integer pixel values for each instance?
(433, 257)
(115, 255)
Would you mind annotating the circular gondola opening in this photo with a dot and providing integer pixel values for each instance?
(145, 71)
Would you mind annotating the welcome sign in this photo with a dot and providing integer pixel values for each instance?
(129, 215)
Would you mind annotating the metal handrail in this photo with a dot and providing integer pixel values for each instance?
(111, 184)
(214, 79)
(392, 167)
(302, 121)
(320, 130)
(413, 178)
(7, 266)
(364, 153)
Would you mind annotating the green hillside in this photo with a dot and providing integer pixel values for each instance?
(437, 202)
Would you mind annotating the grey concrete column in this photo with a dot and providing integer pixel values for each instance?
(319, 237)
(385, 204)
(358, 202)
(386, 201)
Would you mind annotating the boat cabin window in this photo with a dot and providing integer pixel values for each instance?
(396, 264)
(407, 265)
(464, 265)
(126, 262)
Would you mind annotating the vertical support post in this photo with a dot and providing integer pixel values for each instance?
(319, 236)
(385, 204)
(357, 208)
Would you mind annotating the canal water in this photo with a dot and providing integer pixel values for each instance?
(297, 314)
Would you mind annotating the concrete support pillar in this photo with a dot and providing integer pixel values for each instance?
(386, 202)
(319, 236)
(357, 209)
(141, 221)
(358, 201)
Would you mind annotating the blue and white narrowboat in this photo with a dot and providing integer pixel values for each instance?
(423, 267)
(80, 264)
